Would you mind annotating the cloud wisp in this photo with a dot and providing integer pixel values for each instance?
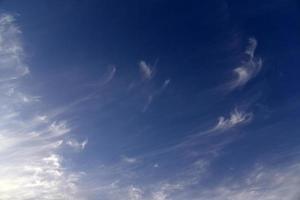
(76, 145)
(236, 118)
(148, 86)
(155, 94)
(249, 68)
(129, 160)
(146, 70)
(11, 51)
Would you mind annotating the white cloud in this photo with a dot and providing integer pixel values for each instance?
(129, 160)
(166, 83)
(155, 94)
(31, 166)
(148, 103)
(107, 77)
(166, 191)
(146, 70)
(250, 50)
(236, 117)
(250, 67)
(59, 128)
(110, 75)
(11, 50)
(263, 183)
(259, 183)
(160, 195)
(41, 118)
(116, 186)
(78, 146)
(135, 193)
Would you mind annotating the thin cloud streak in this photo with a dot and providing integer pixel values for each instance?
(129, 160)
(155, 94)
(107, 78)
(146, 70)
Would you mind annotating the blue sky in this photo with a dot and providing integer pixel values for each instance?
(149, 100)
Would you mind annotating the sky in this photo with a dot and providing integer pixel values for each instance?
(149, 100)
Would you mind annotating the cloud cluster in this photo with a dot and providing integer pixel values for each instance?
(11, 51)
(31, 166)
(262, 183)
(120, 182)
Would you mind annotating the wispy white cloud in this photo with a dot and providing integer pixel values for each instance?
(106, 77)
(104, 80)
(111, 185)
(236, 117)
(249, 68)
(169, 189)
(11, 50)
(205, 138)
(262, 183)
(78, 146)
(129, 160)
(154, 94)
(166, 83)
(148, 102)
(110, 75)
(146, 70)
(156, 165)
(59, 128)
(135, 193)
(31, 166)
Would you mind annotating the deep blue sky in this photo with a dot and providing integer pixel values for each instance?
(158, 99)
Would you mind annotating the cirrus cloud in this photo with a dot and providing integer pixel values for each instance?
(249, 68)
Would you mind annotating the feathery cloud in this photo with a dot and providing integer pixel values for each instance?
(250, 67)
(237, 117)
(129, 160)
(135, 193)
(76, 145)
(31, 166)
(11, 50)
(146, 70)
